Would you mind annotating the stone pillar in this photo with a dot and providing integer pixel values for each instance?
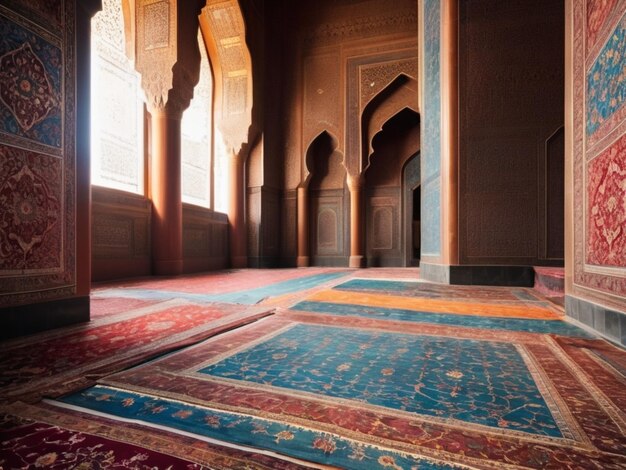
(303, 227)
(165, 186)
(357, 254)
(449, 129)
(168, 59)
(236, 211)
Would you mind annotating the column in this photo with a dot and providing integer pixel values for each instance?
(165, 189)
(236, 211)
(357, 255)
(303, 227)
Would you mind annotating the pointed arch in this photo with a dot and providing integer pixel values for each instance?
(326, 142)
(224, 31)
(401, 93)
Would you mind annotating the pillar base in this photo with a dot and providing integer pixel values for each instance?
(303, 262)
(239, 262)
(357, 261)
(164, 267)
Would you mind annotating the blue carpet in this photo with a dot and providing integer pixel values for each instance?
(481, 382)
(295, 441)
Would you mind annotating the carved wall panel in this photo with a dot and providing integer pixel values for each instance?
(156, 48)
(120, 234)
(264, 228)
(383, 227)
(205, 239)
(271, 223)
(156, 17)
(510, 103)
(361, 20)
(377, 76)
(288, 248)
(37, 154)
(322, 96)
(327, 236)
(328, 213)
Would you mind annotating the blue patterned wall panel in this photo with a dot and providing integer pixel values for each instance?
(431, 136)
(606, 83)
(30, 85)
(431, 217)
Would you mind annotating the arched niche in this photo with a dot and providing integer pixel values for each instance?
(325, 163)
(399, 94)
(327, 195)
(385, 205)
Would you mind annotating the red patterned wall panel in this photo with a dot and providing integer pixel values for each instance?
(599, 150)
(37, 153)
(606, 207)
(31, 220)
(597, 12)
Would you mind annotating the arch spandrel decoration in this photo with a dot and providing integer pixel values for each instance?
(224, 33)
(367, 78)
(377, 77)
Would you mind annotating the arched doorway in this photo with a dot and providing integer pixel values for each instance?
(411, 210)
(386, 231)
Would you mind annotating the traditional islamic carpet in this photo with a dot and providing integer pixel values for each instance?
(76, 440)
(59, 361)
(357, 372)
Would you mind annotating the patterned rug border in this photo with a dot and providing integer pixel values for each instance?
(202, 452)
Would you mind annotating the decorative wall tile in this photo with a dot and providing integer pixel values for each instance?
(431, 126)
(599, 161)
(606, 211)
(30, 84)
(606, 86)
(31, 220)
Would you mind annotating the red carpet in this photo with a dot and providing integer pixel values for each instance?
(47, 437)
(218, 282)
(60, 361)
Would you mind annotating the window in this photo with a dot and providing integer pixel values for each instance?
(196, 129)
(116, 105)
